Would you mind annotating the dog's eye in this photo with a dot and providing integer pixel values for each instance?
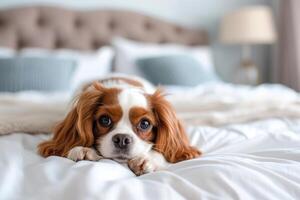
(105, 121)
(144, 125)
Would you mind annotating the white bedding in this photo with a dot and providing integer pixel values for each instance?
(254, 160)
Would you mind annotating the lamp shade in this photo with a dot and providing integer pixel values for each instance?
(249, 25)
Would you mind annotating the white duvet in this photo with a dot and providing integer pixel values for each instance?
(257, 160)
(254, 161)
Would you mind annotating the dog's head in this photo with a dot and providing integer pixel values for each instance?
(121, 123)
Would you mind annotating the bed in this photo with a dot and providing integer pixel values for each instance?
(250, 136)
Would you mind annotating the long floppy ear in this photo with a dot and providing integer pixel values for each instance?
(77, 127)
(171, 139)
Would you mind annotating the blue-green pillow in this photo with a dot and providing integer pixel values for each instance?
(181, 70)
(41, 74)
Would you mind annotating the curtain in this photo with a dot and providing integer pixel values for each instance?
(289, 43)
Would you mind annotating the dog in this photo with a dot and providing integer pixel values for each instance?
(125, 120)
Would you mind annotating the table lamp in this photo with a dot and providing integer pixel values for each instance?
(248, 26)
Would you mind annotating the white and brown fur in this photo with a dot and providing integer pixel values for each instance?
(126, 101)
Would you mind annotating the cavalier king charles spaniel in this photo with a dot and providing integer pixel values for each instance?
(117, 118)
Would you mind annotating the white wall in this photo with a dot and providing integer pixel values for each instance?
(193, 13)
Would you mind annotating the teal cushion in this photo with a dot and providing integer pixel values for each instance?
(181, 70)
(41, 74)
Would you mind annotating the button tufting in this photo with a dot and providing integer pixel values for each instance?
(62, 28)
(112, 24)
(162, 40)
(2, 22)
(96, 44)
(78, 23)
(41, 21)
(58, 43)
(148, 26)
(178, 30)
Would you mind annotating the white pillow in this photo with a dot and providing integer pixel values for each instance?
(127, 52)
(90, 65)
(6, 52)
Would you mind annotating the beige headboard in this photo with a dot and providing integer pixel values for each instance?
(54, 27)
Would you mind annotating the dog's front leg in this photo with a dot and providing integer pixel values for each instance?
(83, 153)
(150, 162)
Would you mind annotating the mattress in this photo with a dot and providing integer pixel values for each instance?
(257, 159)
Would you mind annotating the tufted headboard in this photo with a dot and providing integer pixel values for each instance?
(55, 27)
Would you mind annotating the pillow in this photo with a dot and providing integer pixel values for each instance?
(46, 74)
(181, 70)
(127, 52)
(6, 52)
(90, 65)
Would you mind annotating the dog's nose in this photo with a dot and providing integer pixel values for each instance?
(122, 141)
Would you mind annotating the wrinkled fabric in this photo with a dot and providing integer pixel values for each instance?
(259, 160)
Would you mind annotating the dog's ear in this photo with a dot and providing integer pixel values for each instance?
(77, 127)
(171, 139)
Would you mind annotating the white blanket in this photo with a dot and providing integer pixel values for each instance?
(31, 112)
(214, 105)
(254, 161)
(221, 104)
(257, 160)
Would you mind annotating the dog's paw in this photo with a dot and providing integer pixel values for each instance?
(141, 165)
(83, 153)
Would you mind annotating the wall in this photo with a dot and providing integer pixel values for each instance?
(192, 13)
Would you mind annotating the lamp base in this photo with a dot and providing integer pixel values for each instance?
(247, 73)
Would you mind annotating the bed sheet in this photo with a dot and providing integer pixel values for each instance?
(258, 160)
